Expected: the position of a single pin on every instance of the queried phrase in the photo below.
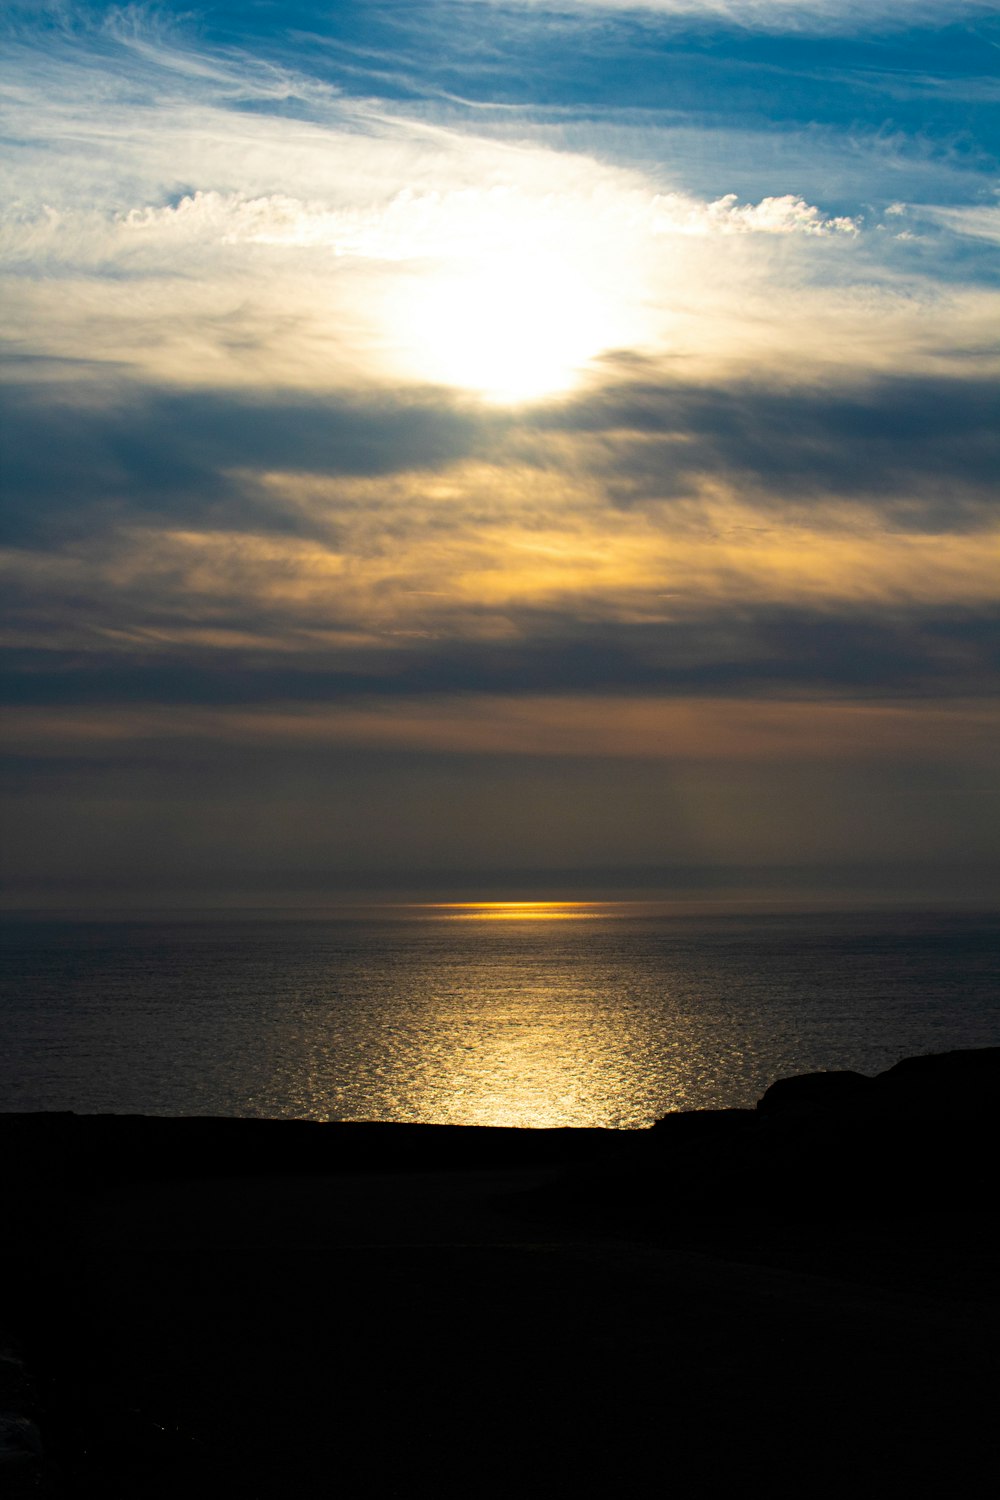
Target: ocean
(610, 1017)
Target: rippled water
(533, 1022)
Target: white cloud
(839, 16)
(679, 213)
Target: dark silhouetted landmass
(801, 1297)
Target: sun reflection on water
(528, 1060)
(520, 1013)
(520, 911)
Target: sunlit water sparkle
(528, 1022)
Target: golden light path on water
(540, 1057)
(512, 1021)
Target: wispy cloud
(837, 16)
(977, 221)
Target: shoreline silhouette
(803, 1294)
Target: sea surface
(606, 1017)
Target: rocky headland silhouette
(802, 1294)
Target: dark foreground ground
(801, 1298)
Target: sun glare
(520, 911)
(511, 295)
(509, 330)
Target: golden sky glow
(520, 911)
(467, 554)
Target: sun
(510, 330)
(514, 305)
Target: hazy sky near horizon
(467, 447)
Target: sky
(458, 450)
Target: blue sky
(476, 447)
